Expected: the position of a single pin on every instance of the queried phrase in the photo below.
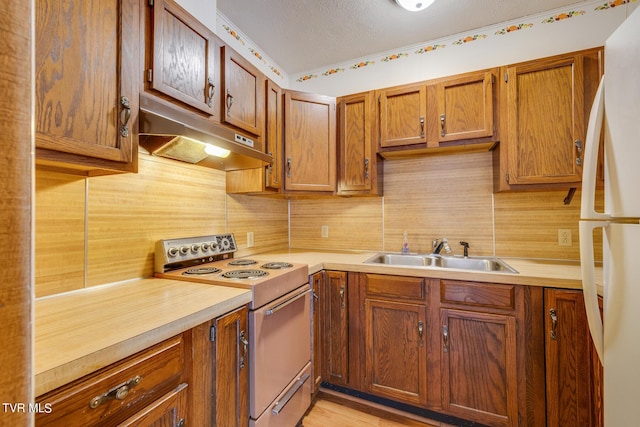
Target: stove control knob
(184, 250)
(214, 246)
(172, 252)
(205, 247)
(195, 248)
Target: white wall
(203, 10)
(589, 27)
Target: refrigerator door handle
(590, 290)
(591, 146)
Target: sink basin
(489, 264)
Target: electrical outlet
(250, 239)
(564, 237)
(324, 231)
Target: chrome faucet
(439, 246)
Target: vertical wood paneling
(354, 223)
(439, 196)
(266, 217)
(60, 232)
(127, 214)
(527, 224)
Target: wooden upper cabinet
(357, 156)
(273, 135)
(310, 142)
(242, 93)
(86, 98)
(402, 115)
(182, 58)
(546, 109)
(465, 107)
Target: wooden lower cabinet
(197, 378)
(469, 350)
(220, 371)
(317, 350)
(126, 390)
(168, 411)
(479, 366)
(396, 355)
(574, 372)
(336, 323)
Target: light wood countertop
(531, 272)
(79, 332)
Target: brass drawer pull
(119, 392)
(126, 107)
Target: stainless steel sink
(489, 264)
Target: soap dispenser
(405, 244)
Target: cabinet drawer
(116, 392)
(411, 288)
(478, 294)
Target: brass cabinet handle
(442, 131)
(119, 392)
(126, 107)
(229, 102)
(554, 323)
(341, 296)
(445, 338)
(211, 89)
(421, 127)
(420, 331)
(245, 345)
(366, 168)
(289, 167)
(578, 144)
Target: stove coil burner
(201, 271)
(277, 265)
(239, 262)
(244, 274)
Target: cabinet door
(336, 323)
(479, 371)
(318, 320)
(273, 135)
(310, 142)
(545, 121)
(168, 411)
(465, 107)
(184, 56)
(571, 369)
(86, 100)
(396, 356)
(231, 389)
(242, 93)
(357, 155)
(403, 113)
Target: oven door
(280, 346)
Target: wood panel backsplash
(93, 231)
(442, 196)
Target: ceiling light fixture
(414, 5)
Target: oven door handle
(285, 303)
(287, 397)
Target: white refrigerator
(616, 109)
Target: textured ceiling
(302, 35)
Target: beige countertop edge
(70, 337)
(531, 272)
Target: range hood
(170, 131)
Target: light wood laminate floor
(329, 411)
